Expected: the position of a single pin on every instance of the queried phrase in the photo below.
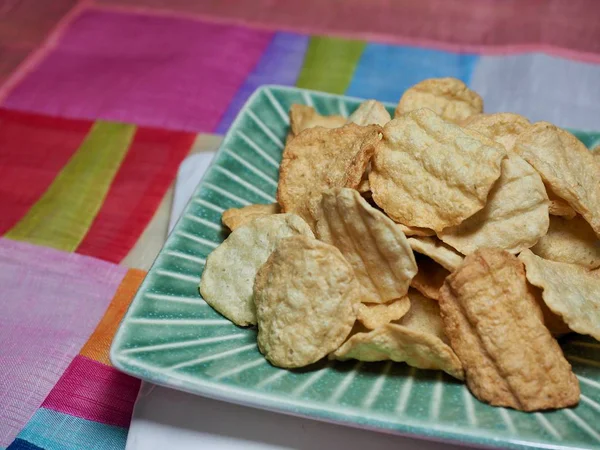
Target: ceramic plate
(171, 337)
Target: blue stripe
(280, 64)
(52, 430)
(20, 444)
(384, 71)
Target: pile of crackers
(443, 238)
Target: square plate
(171, 337)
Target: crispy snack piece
(370, 241)
(429, 278)
(596, 153)
(402, 344)
(416, 231)
(514, 218)
(566, 166)
(448, 97)
(569, 290)
(570, 241)
(306, 298)
(370, 112)
(320, 159)
(501, 127)
(438, 251)
(303, 117)
(553, 322)
(559, 207)
(375, 315)
(432, 174)
(495, 327)
(230, 269)
(424, 315)
(236, 217)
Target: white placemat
(167, 419)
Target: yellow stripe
(63, 215)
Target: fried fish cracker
(448, 97)
(416, 231)
(495, 327)
(429, 278)
(432, 174)
(303, 117)
(236, 217)
(319, 159)
(438, 251)
(565, 165)
(571, 241)
(424, 315)
(370, 112)
(569, 290)
(553, 322)
(372, 243)
(514, 218)
(230, 269)
(401, 344)
(306, 297)
(559, 207)
(375, 315)
(501, 127)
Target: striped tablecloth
(100, 101)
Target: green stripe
(329, 64)
(64, 213)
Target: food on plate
(446, 239)
(319, 159)
(370, 241)
(570, 241)
(496, 328)
(433, 174)
(375, 315)
(450, 98)
(441, 253)
(230, 269)
(569, 290)
(236, 217)
(514, 218)
(303, 117)
(370, 112)
(300, 322)
(503, 128)
(566, 166)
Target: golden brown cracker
(370, 241)
(501, 127)
(495, 327)
(375, 315)
(558, 206)
(370, 112)
(230, 269)
(514, 218)
(571, 241)
(442, 253)
(236, 217)
(306, 299)
(319, 159)
(424, 315)
(429, 278)
(303, 117)
(432, 174)
(565, 165)
(569, 290)
(448, 97)
(399, 343)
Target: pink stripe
(51, 302)
(147, 70)
(563, 28)
(34, 58)
(93, 391)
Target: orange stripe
(98, 345)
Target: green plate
(171, 337)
